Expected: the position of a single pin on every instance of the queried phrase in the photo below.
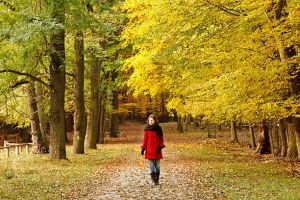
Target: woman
(153, 144)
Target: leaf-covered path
(128, 177)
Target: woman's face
(151, 121)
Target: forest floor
(194, 167)
(128, 176)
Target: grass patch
(39, 177)
(239, 173)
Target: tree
(264, 145)
(114, 127)
(234, 137)
(283, 136)
(79, 114)
(216, 59)
(252, 137)
(94, 114)
(57, 83)
(42, 116)
(39, 142)
(33, 48)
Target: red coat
(151, 143)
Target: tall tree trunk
(179, 124)
(88, 128)
(283, 136)
(42, 113)
(66, 135)
(296, 123)
(102, 122)
(93, 126)
(114, 128)
(271, 138)
(209, 131)
(165, 115)
(184, 123)
(57, 83)
(295, 91)
(101, 129)
(107, 124)
(187, 122)
(79, 115)
(263, 146)
(195, 122)
(286, 54)
(276, 147)
(175, 116)
(234, 137)
(252, 137)
(39, 145)
(292, 153)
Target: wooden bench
(16, 146)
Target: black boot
(153, 177)
(157, 177)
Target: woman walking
(153, 144)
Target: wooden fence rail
(17, 146)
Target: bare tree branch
(19, 83)
(32, 77)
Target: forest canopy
(223, 60)
(219, 61)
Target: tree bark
(187, 122)
(276, 146)
(283, 136)
(296, 123)
(292, 153)
(164, 111)
(290, 52)
(234, 137)
(263, 146)
(295, 91)
(286, 53)
(66, 134)
(88, 128)
(107, 123)
(42, 113)
(209, 131)
(271, 138)
(179, 124)
(102, 123)
(114, 128)
(57, 83)
(92, 131)
(195, 122)
(39, 144)
(79, 114)
(252, 137)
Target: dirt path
(128, 178)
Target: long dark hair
(153, 116)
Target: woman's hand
(143, 151)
